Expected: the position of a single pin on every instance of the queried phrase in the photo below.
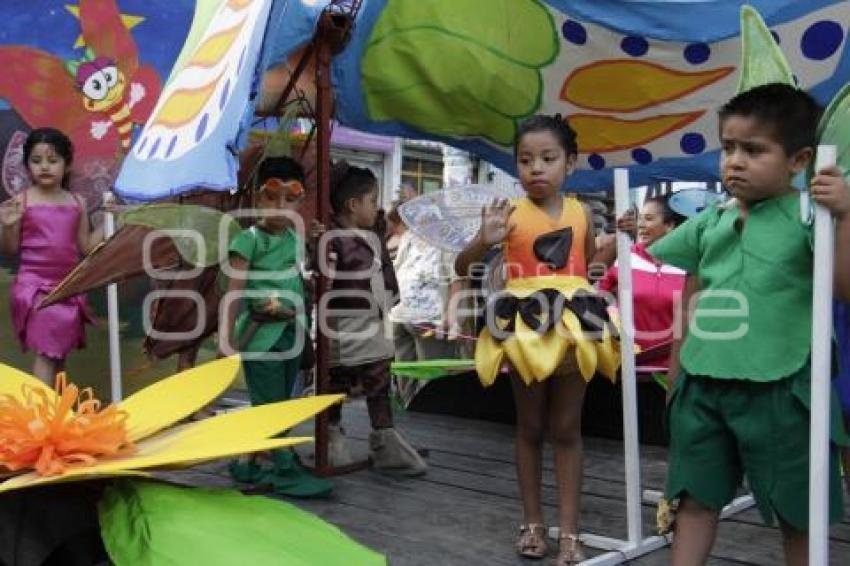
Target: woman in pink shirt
(656, 286)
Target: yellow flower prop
(147, 415)
(44, 433)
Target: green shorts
(723, 429)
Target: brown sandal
(570, 550)
(532, 541)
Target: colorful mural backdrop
(92, 68)
(640, 81)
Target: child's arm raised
(831, 190)
(10, 224)
(494, 229)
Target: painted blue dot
(154, 147)
(596, 161)
(574, 32)
(202, 127)
(224, 92)
(641, 155)
(697, 53)
(692, 143)
(634, 45)
(775, 37)
(821, 40)
(171, 145)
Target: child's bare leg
(566, 396)
(696, 527)
(45, 369)
(795, 544)
(186, 358)
(530, 423)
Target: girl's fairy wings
(762, 60)
(39, 88)
(106, 34)
(690, 202)
(834, 128)
(450, 218)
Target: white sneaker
(338, 454)
(390, 452)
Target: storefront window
(422, 170)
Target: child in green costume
(740, 383)
(267, 319)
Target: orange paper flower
(47, 435)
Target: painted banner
(93, 69)
(639, 80)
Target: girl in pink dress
(49, 227)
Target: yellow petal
(11, 381)
(542, 353)
(513, 349)
(488, 358)
(240, 426)
(585, 349)
(608, 356)
(128, 466)
(174, 398)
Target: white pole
(821, 346)
(112, 312)
(627, 369)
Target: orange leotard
(532, 222)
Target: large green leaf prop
(834, 128)
(199, 223)
(762, 61)
(459, 70)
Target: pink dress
(49, 251)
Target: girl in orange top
(548, 324)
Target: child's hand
(494, 222)
(628, 222)
(273, 308)
(10, 212)
(829, 189)
(316, 231)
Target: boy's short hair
(283, 168)
(349, 182)
(792, 113)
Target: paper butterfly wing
(834, 128)
(450, 218)
(690, 202)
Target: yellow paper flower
(150, 412)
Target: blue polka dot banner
(640, 82)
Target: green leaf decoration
(762, 61)
(834, 128)
(214, 227)
(459, 71)
(429, 370)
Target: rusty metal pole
(323, 182)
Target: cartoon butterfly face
(97, 100)
(101, 83)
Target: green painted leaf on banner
(463, 71)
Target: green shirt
(273, 261)
(760, 275)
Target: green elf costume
(742, 400)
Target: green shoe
(246, 471)
(290, 478)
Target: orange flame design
(49, 436)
